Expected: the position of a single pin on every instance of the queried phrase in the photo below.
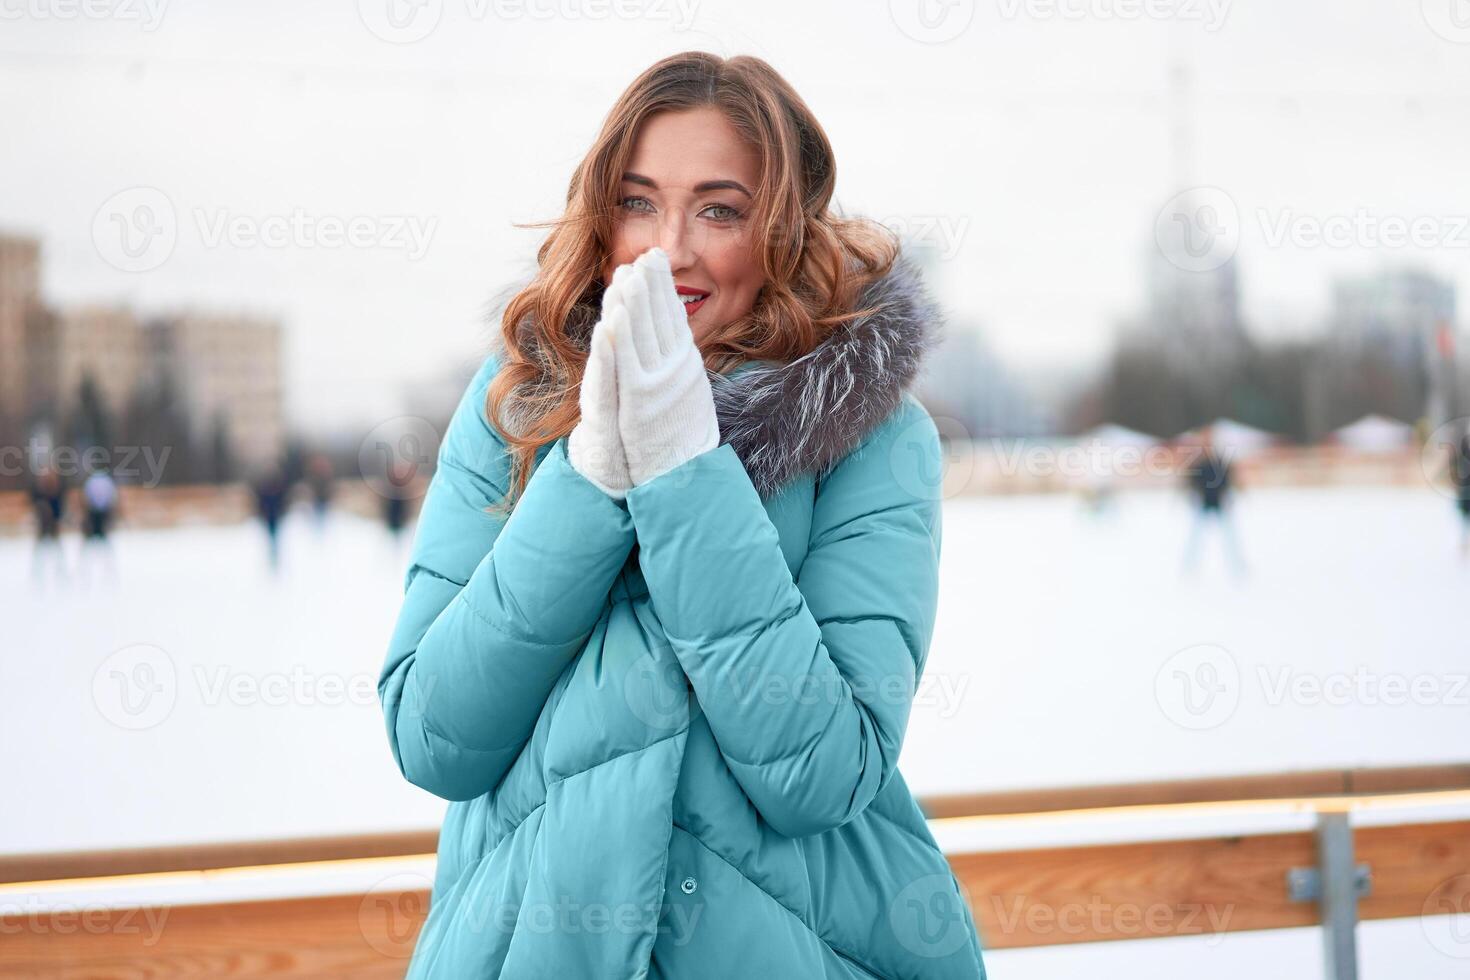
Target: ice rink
(200, 698)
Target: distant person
(48, 505)
(1099, 493)
(399, 487)
(99, 496)
(319, 477)
(270, 503)
(1460, 474)
(1208, 478)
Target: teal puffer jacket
(669, 724)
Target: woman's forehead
(680, 150)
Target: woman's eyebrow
(708, 185)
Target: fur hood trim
(785, 420)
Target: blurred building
(1180, 359)
(964, 380)
(65, 347)
(1191, 319)
(218, 374)
(1404, 320)
(225, 372)
(1394, 311)
(1194, 316)
(20, 296)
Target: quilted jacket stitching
(780, 904)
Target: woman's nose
(679, 237)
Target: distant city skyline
(1034, 150)
(84, 373)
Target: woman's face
(688, 189)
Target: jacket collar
(785, 420)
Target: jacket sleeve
(494, 608)
(806, 682)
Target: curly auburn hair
(815, 262)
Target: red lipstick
(691, 307)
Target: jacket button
(689, 885)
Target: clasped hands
(646, 401)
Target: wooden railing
(1047, 896)
(1021, 897)
(1303, 784)
(183, 504)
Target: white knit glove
(666, 410)
(594, 446)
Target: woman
(667, 693)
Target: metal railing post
(1341, 884)
(1335, 884)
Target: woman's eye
(729, 213)
(641, 205)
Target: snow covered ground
(203, 699)
(1072, 651)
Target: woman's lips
(690, 308)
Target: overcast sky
(1028, 141)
